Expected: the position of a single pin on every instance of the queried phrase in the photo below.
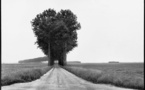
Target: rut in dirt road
(60, 79)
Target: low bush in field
(24, 75)
(117, 79)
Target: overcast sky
(112, 30)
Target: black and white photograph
(72, 44)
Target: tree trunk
(50, 61)
(62, 58)
(64, 54)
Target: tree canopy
(56, 28)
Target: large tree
(56, 33)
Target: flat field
(7, 69)
(130, 75)
(15, 73)
(135, 69)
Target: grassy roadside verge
(113, 78)
(24, 75)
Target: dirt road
(60, 79)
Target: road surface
(60, 79)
